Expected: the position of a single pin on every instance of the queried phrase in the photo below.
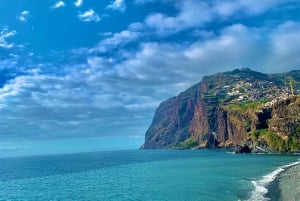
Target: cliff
(227, 110)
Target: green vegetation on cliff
(294, 140)
(275, 142)
(187, 144)
(290, 143)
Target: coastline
(274, 192)
(286, 185)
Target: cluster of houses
(254, 91)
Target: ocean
(141, 175)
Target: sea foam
(260, 186)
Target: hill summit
(231, 109)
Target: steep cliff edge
(226, 110)
(285, 116)
(172, 119)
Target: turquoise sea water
(140, 175)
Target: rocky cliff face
(285, 116)
(171, 123)
(222, 111)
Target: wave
(260, 186)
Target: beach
(289, 184)
(286, 185)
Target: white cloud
(4, 35)
(122, 37)
(157, 63)
(226, 8)
(78, 3)
(137, 26)
(251, 7)
(67, 105)
(235, 46)
(25, 12)
(97, 64)
(143, 105)
(23, 17)
(202, 33)
(13, 88)
(286, 45)
(191, 14)
(59, 4)
(256, 6)
(89, 16)
(228, 50)
(106, 34)
(117, 40)
(196, 14)
(141, 2)
(117, 5)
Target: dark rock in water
(243, 150)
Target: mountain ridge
(224, 110)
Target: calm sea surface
(140, 175)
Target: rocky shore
(289, 183)
(286, 187)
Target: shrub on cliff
(294, 140)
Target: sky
(92, 71)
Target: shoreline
(285, 185)
(274, 192)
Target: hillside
(231, 109)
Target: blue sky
(76, 69)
